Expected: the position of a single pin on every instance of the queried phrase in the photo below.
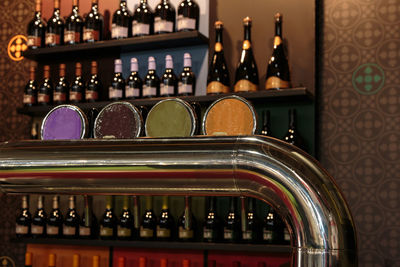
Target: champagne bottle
(218, 75)
(38, 228)
(187, 79)
(136, 217)
(188, 16)
(117, 88)
(28, 259)
(52, 260)
(266, 128)
(292, 136)
(134, 85)
(278, 74)
(88, 226)
(36, 28)
(31, 89)
(232, 223)
(96, 261)
(164, 17)
(246, 78)
(212, 228)
(187, 223)
(75, 260)
(77, 90)
(272, 228)
(165, 224)
(73, 32)
(169, 82)
(251, 228)
(94, 86)
(94, 23)
(71, 221)
(125, 222)
(45, 93)
(121, 22)
(149, 221)
(151, 85)
(24, 219)
(55, 27)
(55, 220)
(108, 227)
(143, 20)
(61, 89)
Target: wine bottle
(77, 90)
(36, 28)
(55, 220)
(88, 226)
(278, 74)
(149, 221)
(218, 75)
(136, 217)
(35, 131)
(165, 224)
(96, 261)
(188, 16)
(61, 89)
(266, 128)
(286, 234)
(142, 262)
(117, 88)
(94, 23)
(28, 259)
(55, 27)
(272, 228)
(246, 78)
(38, 228)
(187, 79)
(164, 262)
(169, 82)
(31, 89)
(121, 261)
(151, 84)
(164, 17)
(73, 32)
(71, 221)
(24, 219)
(134, 85)
(187, 223)
(121, 22)
(143, 20)
(251, 228)
(292, 136)
(75, 260)
(108, 224)
(185, 263)
(125, 222)
(45, 93)
(52, 260)
(232, 223)
(212, 228)
(94, 86)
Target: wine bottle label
(34, 41)
(274, 82)
(52, 230)
(131, 92)
(123, 231)
(245, 86)
(69, 230)
(247, 235)
(71, 37)
(52, 39)
(90, 35)
(228, 234)
(246, 44)
(184, 88)
(207, 233)
(37, 229)
(106, 231)
(286, 235)
(149, 91)
(84, 231)
(166, 89)
(29, 99)
(163, 232)
(75, 96)
(91, 95)
(185, 233)
(185, 23)
(161, 25)
(215, 87)
(58, 96)
(21, 229)
(146, 232)
(114, 93)
(118, 31)
(267, 235)
(43, 98)
(140, 28)
(218, 47)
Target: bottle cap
(46, 68)
(52, 260)
(247, 21)
(169, 64)
(75, 260)
(28, 259)
(152, 63)
(218, 24)
(134, 64)
(62, 66)
(93, 67)
(278, 17)
(118, 65)
(187, 60)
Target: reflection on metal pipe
(320, 223)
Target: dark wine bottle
(187, 79)
(149, 221)
(24, 219)
(151, 84)
(169, 82)
(164, 17)
(246, 78)
(71, 221)
(251, 228)
(232, 223)
(28, 259)
(188, 16)
(187, 222)
(55, 220)
(94, 86)
(136, 217)
(121, 22)
(94, 23)
(36, 28)
(117, 88)
(31, 89)
(272, 228)
(38, 228)
(166, 223)
(88, 226)
(212, 228)
(278, 74)
(292, 136)
(143, 20)
(61, 89)
(218, 75)
(125, 222)
(77, 89)
(134, 85)
(45, 93)
(55, 27)
(266, 128)
(73, 32)
(108, 223)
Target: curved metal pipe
(320, 223)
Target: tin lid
(64, 122)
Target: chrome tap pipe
(319, 221)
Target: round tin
(230, 115)
(120, 120)
(64, 122)
(171, 117)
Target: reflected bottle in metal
(38, 228)
(187, 222)
(71, 221)
(24, 219)
(149, 221)
(165, 223)
(108, 222)
(125, 222)
(212, 228)
(232, 224)
(55, 220)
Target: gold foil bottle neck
(278, 17)
(218, 24)
(247, 21)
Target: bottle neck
(78, 71)
(188, 222)
(278, 28)
(108, 202)
(232, 204)
(55, 203)
(134, 67)
(95, 6)
(118, 68)
(57, 5)
(165, 203)
(38, 6)
(149, 202)
(187, 62)
(211, 207)
(292, 118)
(125, 205)
(251, 204)
(152, 65)
(71, 202)
(75, 9)
(25, 202)
(93, 69)
(218, 35)
(32, 74)
(169, 64)
(247, 32)
(143, 2)
(123, 4)
(62, 72)
(40, 202)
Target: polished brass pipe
(320, 223)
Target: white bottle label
(246, 235)
(69, 230)
(140, 28)
(52, 230)
(185, 23)
(166, 89)
(267, 235)
(131, 92)
(161, 25)
(21, 229)
(207, 233)
(114, 93)
(184, 88)
(84, 231)
(228, 234)
(37, 229)
(118, 31)
(149, 91)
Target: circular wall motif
(388, 54)
(329, 165)
(369, 258)
(6, 31)
(368, 79)
(16, 46)
(329, 81)
(329, 126)
(389, 194)
(20, 12)
(388, 100)
(330, 38)
(368, 170)
(369, 218)
(368, 33)
(389, 11)
(389, 146)
(345, 14)
(350, 191)
(344, 148)
(345, 58)
(6, 262)
(368, 124)
(15, 82)
(344, 103)
(389, 243)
